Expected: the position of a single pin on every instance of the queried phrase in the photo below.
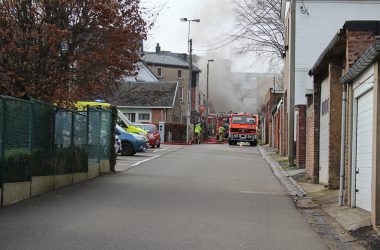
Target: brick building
(324, 105)
(174, 67)
(271, 101)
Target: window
(325, 107)
(131, 116)
(181, 94)
(144, 117)
(179, 74)
(159, 72)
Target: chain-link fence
(94, 142)
(38, 139)
(80, 142)
(16, 140)
(105, 134)
(43, 139)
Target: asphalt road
(188, 197)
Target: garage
(324, 132)
(363, 154)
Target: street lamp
(184, 19)
(208, 67)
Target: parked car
(153, 134)
(117, 145)
(130, 142)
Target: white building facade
(316, 23)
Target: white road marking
(139, 162)
(158, 150)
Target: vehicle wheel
(230, 142)
(127, 149)
(251, 144)
(235, 143)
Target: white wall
(316, 30)
(137, 111)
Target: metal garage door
(324, 133)
(364, 150)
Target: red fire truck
(243, 128)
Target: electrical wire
(234, 38)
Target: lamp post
(208, 68)
(190, 48)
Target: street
(176, 197)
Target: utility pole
(292, 85)
(208, 68)
(189, 93)
(190, 87)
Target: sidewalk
(349, 225)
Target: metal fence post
(2, 147)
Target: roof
(366, 60)
(166, 58)
(338, 43)
(143, 75)
(145, 94)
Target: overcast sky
(217, 22)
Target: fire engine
(243, 128)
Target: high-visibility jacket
(221, 130)
(198, 128)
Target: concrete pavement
(197, 197)
(317, 203)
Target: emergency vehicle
(243, 128)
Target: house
(143, 74)
(148, 102)
(174, 67)
(324, 105)
(316, 22)
(362, 132)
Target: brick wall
(335, 113)
(301, 136)
(284, 127)
(357, 43)
(157, 116)
(312, 134)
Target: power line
(222, 41)
(237, 36)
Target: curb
(293, 188)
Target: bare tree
(261, 30)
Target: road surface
(181, 197)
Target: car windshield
(243, 119)
(138, 125)
(150, 128)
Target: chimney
(158, 48)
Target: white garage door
(364, 150)
(324, 133)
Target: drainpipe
(342, 145)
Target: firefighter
(198, 131)
(221, 133)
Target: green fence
(94, 142)
(38, 139)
